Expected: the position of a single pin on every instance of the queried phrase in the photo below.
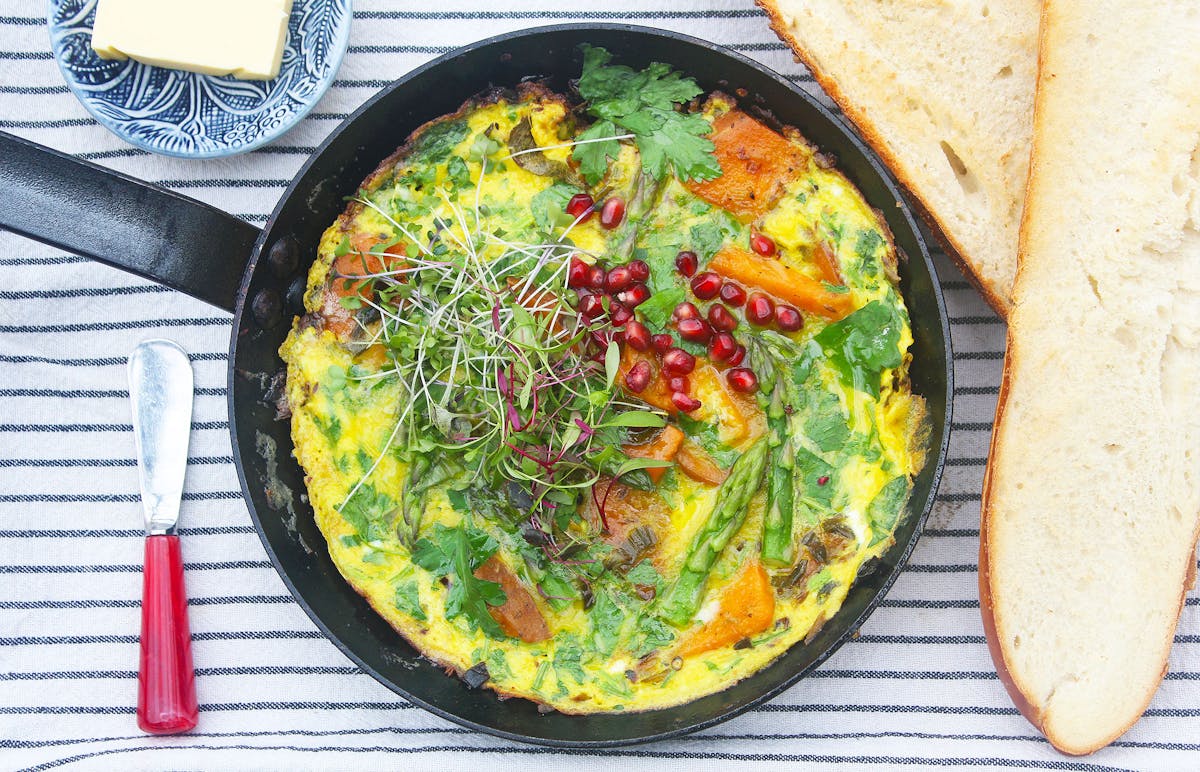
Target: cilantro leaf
(457, 552)
(370, 512)
(568, 658)
(651, 634)
(408, 599)
(643, 104)
(596, 146)
(607, 619)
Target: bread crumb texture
(1092, 506)
(943, 89)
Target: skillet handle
(88, 210)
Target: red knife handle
(166, 681)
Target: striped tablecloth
(916, 689)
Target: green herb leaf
(643, 104)
(652, 634)
(549, 207)
(607, 618)
(656, 311)
(885, 509)
(612, 362)
(408, 599)
(568, 657)
(862, 345)
(370, 512)
(436, 142)
(640, 419)
(457, 552)
(595, 146)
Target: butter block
(243, 38)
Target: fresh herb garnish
(642, 103)
(456, 553)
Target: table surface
(916, 688)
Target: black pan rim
(919, 518)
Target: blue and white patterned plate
(188, 115)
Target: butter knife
(160, 388)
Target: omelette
(602, 398)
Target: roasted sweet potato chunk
(746, 608)
(776, 278)
(756, 166)
(519, 616)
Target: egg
(492, 183)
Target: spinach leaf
(885, 509)
(825, 423)
(862, 345)
(810, 470)
(439, 139)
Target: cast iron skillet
(206, 253)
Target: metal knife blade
(160, 388)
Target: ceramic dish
(188, 115)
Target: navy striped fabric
(917, 689)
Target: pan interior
(275, 484)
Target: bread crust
(858, 116)
(993, 626)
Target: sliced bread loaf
(943, 90)
(1091, 505)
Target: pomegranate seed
(686, 263)
(762, 244)
(706, 285)
(635, 295)
(695, 330)
(596, 277)
(759, 310)
(684, 402)
(823, 479)
(678, 383)
(720, 318)
(722, 347)
(612, 213)
(678, 362)
(580, 204)
(637, 336)
(617, 279)
(577, 273)
(788, 319)
(591, 306)
(733, 294)
(742, 379)
(639, 269)
(685, 310)
(638, 377)
(619, 314)
(662, 342)
(738, 356)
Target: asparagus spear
(777, 520)
(681, 602)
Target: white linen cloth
(917, 689)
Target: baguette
(1091, 502)
(943, 91)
